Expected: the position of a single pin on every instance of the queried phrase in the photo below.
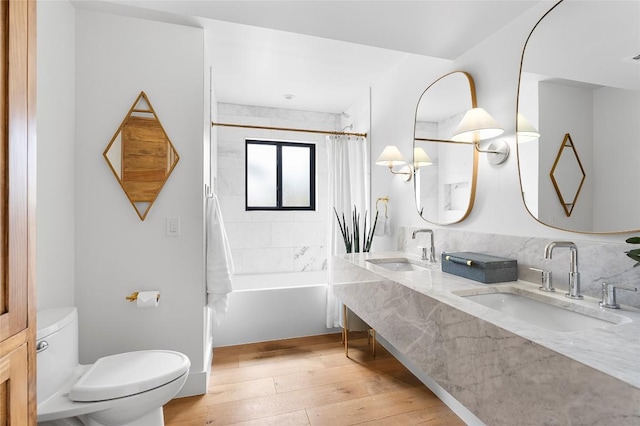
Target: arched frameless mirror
(141, 156)
(580, 76)
(445, 171)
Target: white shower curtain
(348, 187)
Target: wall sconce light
(421, 158)
(525, 131)
(477, 125)
(390, 157)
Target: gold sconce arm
(407, 171)
(390, 157)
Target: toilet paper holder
(134, 296)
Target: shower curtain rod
(290, 129)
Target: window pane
(261, 175)
(295, 176)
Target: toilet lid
(51, 320)
(129, 373)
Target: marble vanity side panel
(344, 271)
(598, 261)
(502, 378)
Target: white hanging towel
(387, 226)
(382, 220)
(219, 261)
(383, 227)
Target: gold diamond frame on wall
(567, 198)
(141, 155)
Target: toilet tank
(57, 345)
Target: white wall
(116, 253)
(56, 157)
(528, 149)
(494, 65)
(565, 109)
(616, 152)
(356, 117)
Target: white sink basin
(401, 264)
(546, 312)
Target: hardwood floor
(309, 381)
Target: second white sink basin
(546, 314)
(400, 264)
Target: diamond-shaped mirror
(567, 175)
(141, 156)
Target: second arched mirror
(445, 171)
(580, 87)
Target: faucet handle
(609, 295)
(545, 278)
(424, 251)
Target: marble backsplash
(598, 262)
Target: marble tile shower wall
(598, 261)
(278, 241)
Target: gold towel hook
(385, 200)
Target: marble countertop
(612, 349)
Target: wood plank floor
(309, 381)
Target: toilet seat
(126, 374)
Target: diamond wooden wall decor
(141, 156)
(567, 175)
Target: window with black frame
(280, 175)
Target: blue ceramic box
(480, 267)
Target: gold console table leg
(371, 334)
(372, 338)
(345, 330)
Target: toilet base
(72, 421)
(154, 418)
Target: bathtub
(274, 306)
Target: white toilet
(127, 389)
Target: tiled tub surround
(271, 241)
(504, 370)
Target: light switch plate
(173, 227)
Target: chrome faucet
(574, 275)
(432, 251)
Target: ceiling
(325, 53)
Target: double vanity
(510, 353)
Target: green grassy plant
(351, 236)
(635, 253)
